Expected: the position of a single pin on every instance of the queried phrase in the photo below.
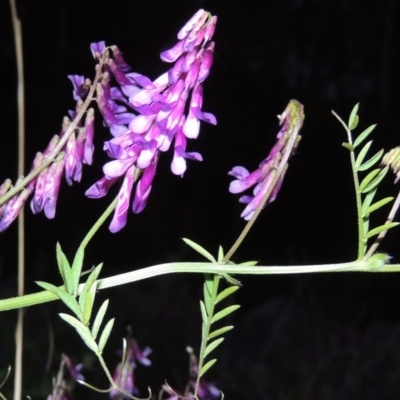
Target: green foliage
(201, 250)
(353, 119)
(209, 317)
(83, 307)
(65, 269)
(366, 190)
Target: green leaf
(378, 260)
(77, 268)
(65, 269)
(355, 122)
(231, 280)
(220, 254)
(225, 293)
(82, 330)
(206, 367)
(105, 334)
(372, 185)
(220, 331)
(362, 154)
(378, 205)
(88, 285)
(99, 318)
(200, 250)
(64, 296)
(209, 283)
(207, 298)
(223, 313)
(348, 146)
(210, 347)
(87, 309)
(249, 263)
(203, 312)
(363, 135)
(381, 228)
(373, 160)
(368, 200)
(365, 182)
(353, 119)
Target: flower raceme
(67, 160)
(265, 177)
(146, 116)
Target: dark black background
(309, 337)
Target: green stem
(206, 331)
(98, 223)
(203, 268)
(360, 220)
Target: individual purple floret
(11, 209)
(146, 117)
(262, 178)
(81, 86)
(59, 386)
(124, 373)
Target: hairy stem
(204, 268)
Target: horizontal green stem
(202, 268)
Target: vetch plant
(147, 118)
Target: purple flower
(81, 86)
(74, 370)
(98, 49)
(264, 177)
(146, 117)
(12, 208)
(69, 159)
(124, 373)
(59, 387)
(205, 391)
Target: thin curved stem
(98, 223)
(203, 268)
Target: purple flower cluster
(124, 373)
(146, 117)
(45, 187)
(60, 391)
(291, 121)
